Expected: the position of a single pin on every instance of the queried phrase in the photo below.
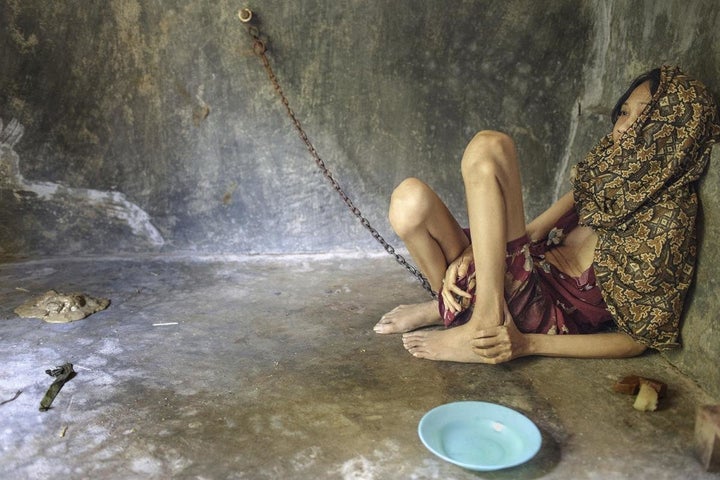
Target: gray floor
(273, 371)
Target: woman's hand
(502, 343)
(456, 270)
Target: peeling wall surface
(136, 126)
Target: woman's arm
(506, 342)
(540, 227)
(594, 345)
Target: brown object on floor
(648, 390)
(54, 307)
(630, 385)
(707, 437)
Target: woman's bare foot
(405, 318)
(451, 345)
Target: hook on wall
(245, 15)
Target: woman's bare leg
(495, 210)
(433, 238)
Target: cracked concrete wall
(162, 109)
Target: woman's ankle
(484, 317)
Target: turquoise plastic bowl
(479, 436)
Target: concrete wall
(136, 126)
(165, 103)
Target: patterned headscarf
(639, 195)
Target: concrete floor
(273, 372)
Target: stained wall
(165, 104)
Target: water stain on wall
(92, 205)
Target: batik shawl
(639, 195)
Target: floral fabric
(540, 297)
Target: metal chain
(260, 50)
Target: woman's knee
(488, 154)
(409, 204)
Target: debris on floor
(54, 307)
(14, 397)
(649, 394)
(707, 437)
(62, 374)
(649, 391)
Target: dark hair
(652, 75)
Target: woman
(612, 258)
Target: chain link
(261, 51)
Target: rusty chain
(260, 49)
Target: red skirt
(540, 297)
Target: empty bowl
(479, 436)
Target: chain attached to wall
(260, 49)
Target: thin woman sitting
(612, 258)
